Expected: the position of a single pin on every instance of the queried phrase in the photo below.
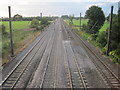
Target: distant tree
(44, 21)
(96, 19)
(35, 23)
(17, 17)
(65, 16)
(71, 17)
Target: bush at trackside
(35, 23)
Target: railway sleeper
(7, 85)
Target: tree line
(18, 17)
(96, 21)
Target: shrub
(84, 27)
(44, 21)
(102, 38)
(35, 23)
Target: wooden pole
(80, 20)
(10, 25)
(41, 16)
(109, 32)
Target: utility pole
(109, 32)
(41, 20)
(10, 25)
(41, 16)
(80, 20)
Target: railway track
(52, 48)
(14, 76)
(108, 75)
(50, 76)
(47, 61)
(75, 73)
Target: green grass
(84, 21)
(16, 25)
(19, 36)
(104, 27)
(77, 22)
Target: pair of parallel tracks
(110, 78)
(76, 77)
(14, 76)
(48, 61)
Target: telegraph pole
(41, 20)
(10, 25)
(80, 20)
(41, 16)
(109, 32)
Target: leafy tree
(115, 33)
(71, 17)
(96, 19)
(17, 17)
(44, 21)
(115, 38)
(65, 16)
(35, 23)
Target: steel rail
(78, 69)
(27, 65)
(113, 74)
(19, 63)
(46, 65)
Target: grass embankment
(21, 38)
(89, 37)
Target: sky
(54, 7)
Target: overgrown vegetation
(115, 38)
(23, 34)
(101, 34)
(20, 34)
(97, 35)
(39, 25)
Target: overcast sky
(54, 7)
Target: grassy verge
(21, 37)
